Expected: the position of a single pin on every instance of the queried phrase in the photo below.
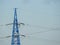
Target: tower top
(15, 31)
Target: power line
(28, 35)
(35, 26)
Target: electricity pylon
(15, 32)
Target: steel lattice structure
(15, 32)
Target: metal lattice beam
(15, 32)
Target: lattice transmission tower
(15, 32)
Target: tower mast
(15, 32)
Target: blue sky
(42, 15)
